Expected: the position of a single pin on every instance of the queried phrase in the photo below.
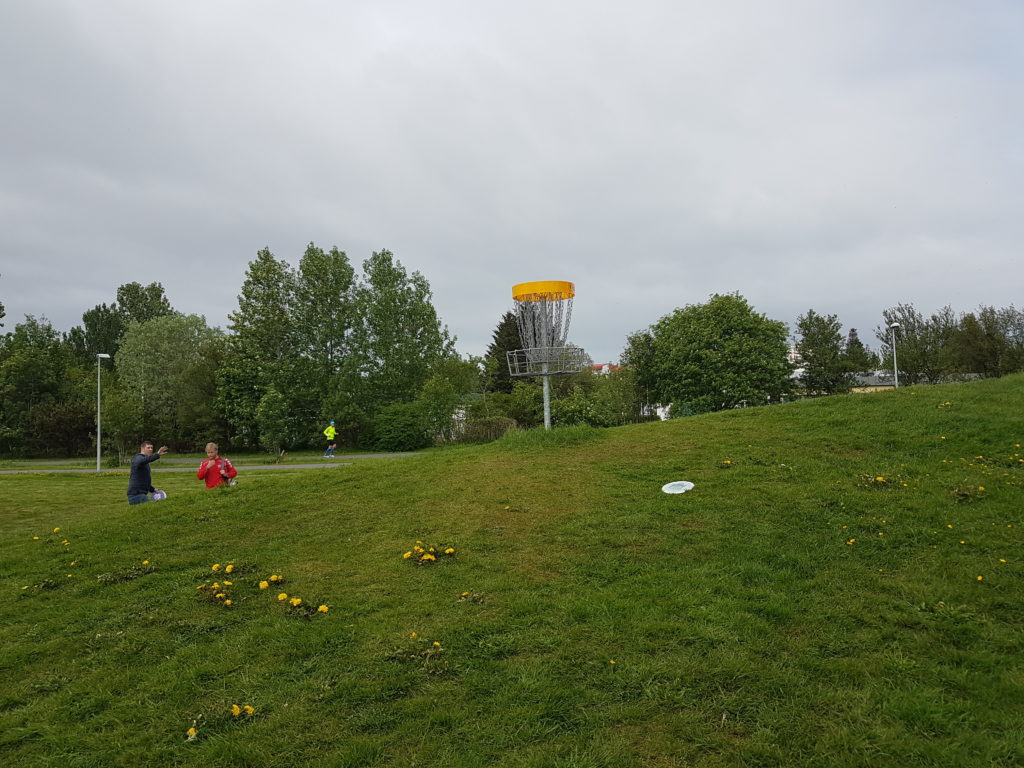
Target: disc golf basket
(543, 313)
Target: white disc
(679, 486)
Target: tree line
(322, 341)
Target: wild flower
(248, 710)
(229, 568)
(215, 567)
(283, 596)
(427, 554)
(227, 602)
(235, 710)
(322, 609)
(56, 530)
(264, 584)
(296, 601)
(145, 562)
(191, 734)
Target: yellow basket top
(541, 290)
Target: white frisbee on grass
(679, 486)
(159, 495)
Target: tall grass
(791, 610)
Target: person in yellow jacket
(329, 433)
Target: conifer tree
(505, 339)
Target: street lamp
(99, 356)
(892, 343)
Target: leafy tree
(921, 344)
(157, 362)
(138, 303)
(505, 339)
(261, 346)
(273, 419)
(860, 358)
(706, 357)
(826, 370)
(445, 394)
(324, 308)
(984, 342)
(398, 338)
(34, 379)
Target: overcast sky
(841, 156)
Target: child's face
(211, 452)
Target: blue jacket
(140, 480)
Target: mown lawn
(843, 587)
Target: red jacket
(211, 470)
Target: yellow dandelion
(296, 601)
(229, 583)
(450, 551)
(235, 710)
(850, 542)
(437, 644)
(879, 479)
(229, 569)
(948, 525)
(56, 530)
(275, 577)
(201, 586)
(427, 557)
(464, 594)
(227, 602)
(66, 543)
(248, 710)
(283, 596)
(215, 567)
(418, 541)
(70, 576)
(191, 733)
(981, 487)
(145, 562)
(73, 562)
(962, 541)
(215, 585)
(1001, 560)
(612, 661)
(981, 578)
(508, 507)
(417, 549)
(407, 555)
(727, 462)
(322, 609)
(264, 584)
(35, 538)
(220, 595)
(413, 635)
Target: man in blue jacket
(140, 481)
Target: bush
(401, 427)
(486, 430)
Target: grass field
(843, 587)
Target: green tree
(860, 358)
(273, 419)
(505, 339)
(34, 380)
(261, 346)
(706, 357)
(398, 338)
(825, 369)
(922, 352)
(157, 363)
(324, 308)
(138, 303)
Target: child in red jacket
(216, 469)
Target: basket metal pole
(547, 396)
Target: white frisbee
(679, 486)
(159, 495)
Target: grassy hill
(843, 587)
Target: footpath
(42, 467)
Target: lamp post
(892, 343)
(99, 356)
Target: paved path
(193, 465)
(125, 470)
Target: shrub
(401, 427)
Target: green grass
(745, 630)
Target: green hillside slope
(842, 587)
